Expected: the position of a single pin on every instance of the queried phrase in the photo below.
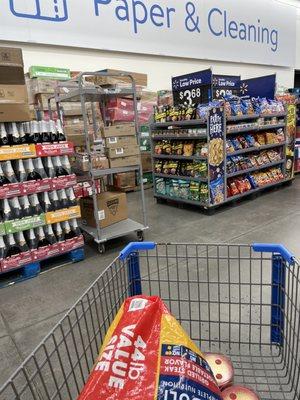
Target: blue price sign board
(216, 161)
(264, 86)
(225, 85)
(192, 88)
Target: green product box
(24, 224)
(145, 142)
(60, 74)
(2, 229)
(145, 130)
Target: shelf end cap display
(274, 248)
(134, 247)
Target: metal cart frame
(239, 300)
(100, 95)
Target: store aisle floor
(30, 309)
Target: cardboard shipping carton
(125, 180)
(98, 162)
(15, 112)
(140, 79)
(119, 130)
(12, 75)
(120, 141)
(124, 161)
(11, 57)
(124, 151)
(146, 162)
(112, 208)
(13, 94)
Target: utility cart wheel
(101, 248)
(140, 236)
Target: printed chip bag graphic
(146, 355)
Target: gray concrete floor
(30, 309)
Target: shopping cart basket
(235, 299)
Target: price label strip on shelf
(11, 190)
(24, 224)
(17, 152)
(55, 149)
(63, 182)
(16, 261)
(63, 215)
(71, 244)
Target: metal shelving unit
(160, 136)
(100, 95)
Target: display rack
(228, 127)
(101, 95)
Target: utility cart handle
(275, 248)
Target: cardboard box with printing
(98, 162)
(112, 208)
(140, 79)
(120, 141)
(125, 181)
(11, 57)
(125, 151)
(11, 66)
(146, 162)
(119, 130)
(124, 161)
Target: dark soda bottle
(34, 134)
(6, 211)
(31, 239)
(58, 232)
(45, 132)
(63, 199)
(61, 135)
(9, 172)
(39, 168)
(74, 227)
(3, 179)
(26, 206)
(21, 242)
(14, 136)
(49, 168)
(66, 164)
(54, 200)
(4, 140)
(22, 134)
(35, 204)
(16, 208)
(31, 173)
(41, 238)
(13, 248)
(46, 203)
(67, 232)
(59, 170)
(50, 234)
(3, 249)
(71, 197)
(53, 132)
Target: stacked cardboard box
(121, 145)
(13, 93)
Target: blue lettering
(98, 2)
(156, 14)
(137, 6)
(242, 31)
(169, 11)
(121, 9)
(274, 40)
(210, 15)
(233, 28)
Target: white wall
(159, 69)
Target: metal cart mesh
(239, 300)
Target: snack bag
(146, 355)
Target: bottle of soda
(35, 204)
(39, 168)
(45, 131)
(9, 172)
(3, 249)
(20, 171)
(50, 234)
(59, 170)
(4, 139)
(74, 227)
(21, 242)
(67, 232)
(45, 202)
(13, 249)
(54, 200)
(34, 134)
(61, 135)
(23, 138)
(3, 179)
(42, 240)
(49, 168)
(53, 131)
(31, 239)
(31, 173)
(27, 131)
(58, 232)
(65, 162)
(6, 211)
(63, 199)
(15, 208)
(26, 206)
(14, 136)
(71, 197)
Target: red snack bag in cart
(147, 355)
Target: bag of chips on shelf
(229, 146)
(138, 355)
(184, 189)
(204, 193)
(194, 191)
(246, 106)
(160, 186)
(251, 141)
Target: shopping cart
(239, 300)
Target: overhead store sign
(257, 31)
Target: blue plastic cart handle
(274, 248)
(134, 247)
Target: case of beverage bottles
(36, 183)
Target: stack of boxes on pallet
(39, 211)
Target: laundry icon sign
(48, 10)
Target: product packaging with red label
(147, 355)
